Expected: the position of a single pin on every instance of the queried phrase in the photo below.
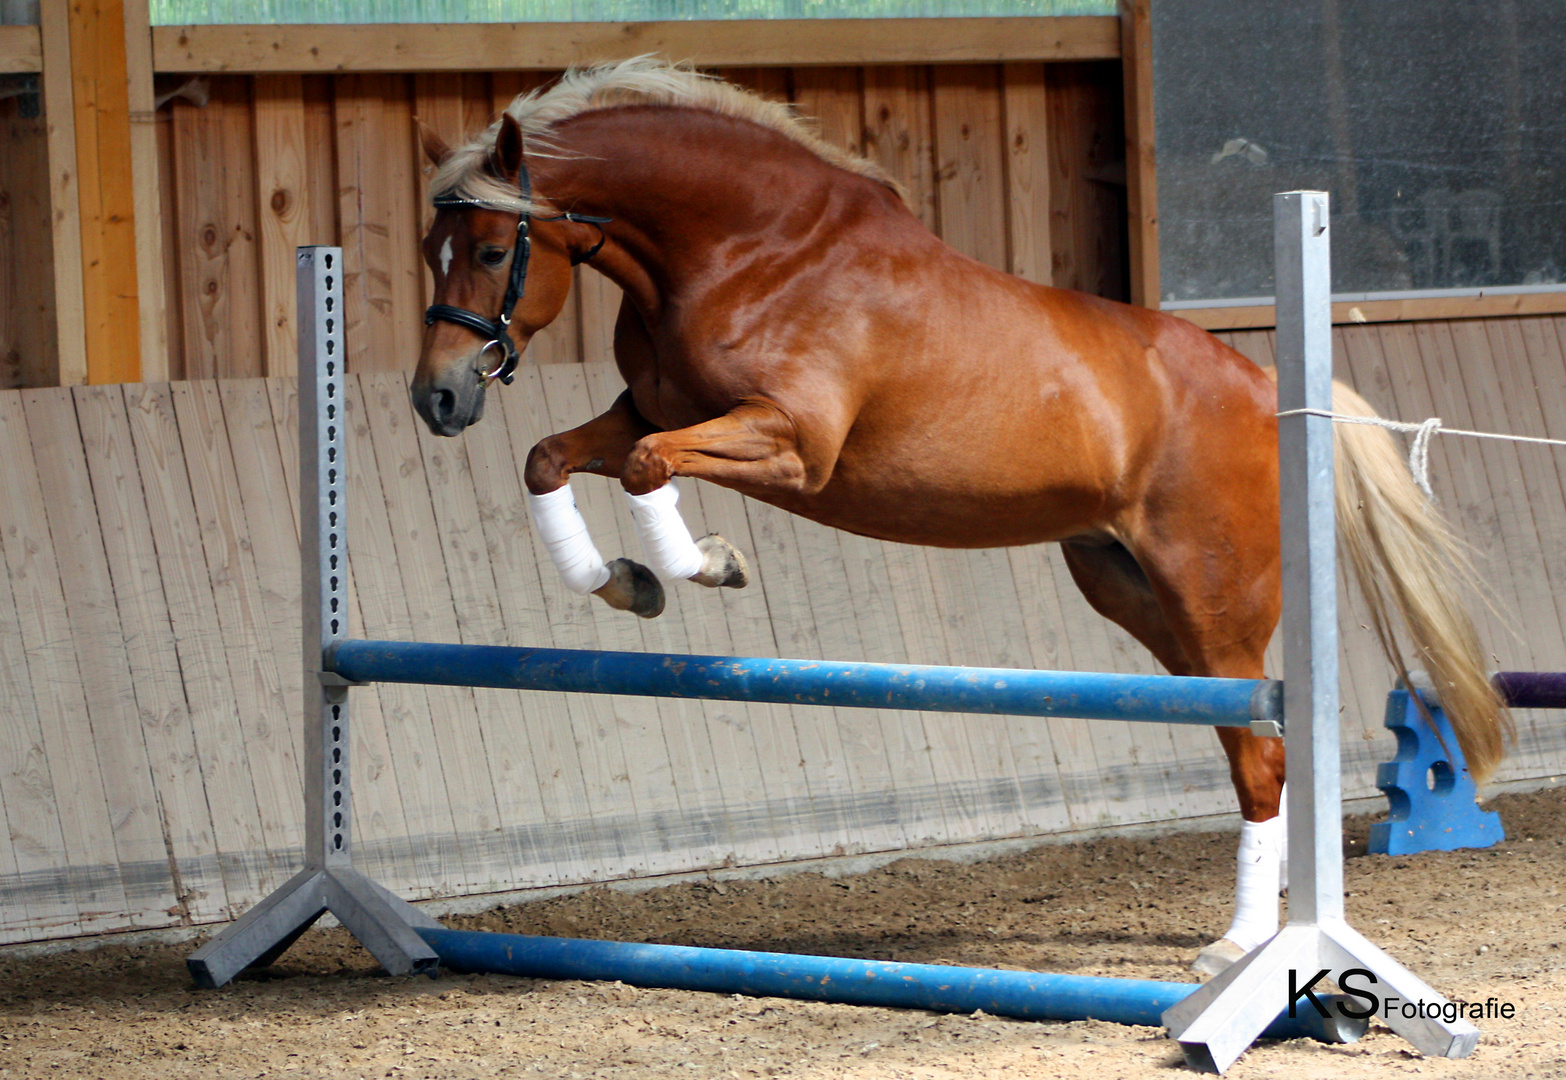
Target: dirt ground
(1474, 924)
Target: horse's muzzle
(451, 402)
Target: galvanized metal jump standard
(1214, 1023)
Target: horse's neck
(680, 182)
(640, 155)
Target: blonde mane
(641, 81)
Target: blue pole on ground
(1022, 995)
(1532, 689)
(1087, 695)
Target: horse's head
(485, 258)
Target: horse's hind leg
(1216, 624)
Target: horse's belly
(955, 516)
(972, 477)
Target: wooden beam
(28, 356)
(379, 221)
(64, 196)
(1136, 61)
(152, 299)
(552, 46)
(1380, 311)
(970, 170)
(284, 197)
(1026, 102)
(214, 167)
(100, 84)
(1083, 109)
(899, 133)
(21, 50)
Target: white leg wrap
(560, 526)
(1283, 840)
(670, 550)
(1256, 885)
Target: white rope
(1419, 450)
(1419, 454)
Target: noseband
(498, 331)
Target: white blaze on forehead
(445, 257)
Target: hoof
(722, 566)
(632, 587)
(1215, 958)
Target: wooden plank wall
(28, 352)
(1020, 165)
(149, 676)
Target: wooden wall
(1020, 165)
(1506, 499)
(149, 668)
(28, 356)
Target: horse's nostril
(443, 403)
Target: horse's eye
(493, 257)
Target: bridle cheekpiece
(498, 331)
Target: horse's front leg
(753, 447)
(600, 446)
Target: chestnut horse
(790, 330)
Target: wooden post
(100, 87)
(1136, 62)
(402, 48)
(1026, 103)
(64, 200)
(283, 191)
(152, 298)
(20, 50)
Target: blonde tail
(1406, 559)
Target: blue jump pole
(1090, 696)
(1532, 689)
(1022, 995)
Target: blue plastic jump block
(1429, 789)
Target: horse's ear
(435, 147)
(508, 148)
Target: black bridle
(498, 331)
